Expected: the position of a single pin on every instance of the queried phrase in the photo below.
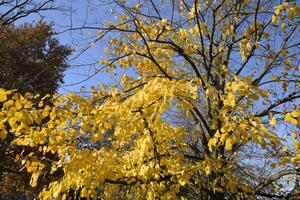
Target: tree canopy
(211, 113)
(31, 60)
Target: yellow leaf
(211, 143)
(18, 105)
(295, 113)
(273, 121)
(41, 103)
(34, 179)
(183, 180)
(230, 99)
(27, 104)
(296, 159)
(288, 117)
(228, 144)
(284, 52)
(217, 134)
(294, 135)
(84, 192)
(47, 108)
(274, 19)
(12, 121)
(285, 148)
(3, 96)
(223, 137)
(207, 170)
(3, 133)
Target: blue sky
(85, 64)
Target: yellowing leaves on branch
(204, 117)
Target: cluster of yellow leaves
(3, 95)
(296, 158)
(139, 136)
(286, 9)
(34, 167)
(137, 129)
(247, 44)
(293, 117)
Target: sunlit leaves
(273, 121)
(292, 117)
(124, 136)
(228, 144)
(3, 95)
(71, 116)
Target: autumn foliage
(227, 70)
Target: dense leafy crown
(231, 71)
(31, 59)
